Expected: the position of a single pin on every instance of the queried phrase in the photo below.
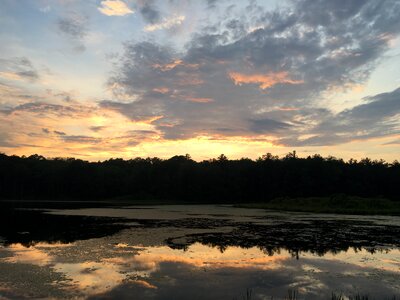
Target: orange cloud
(10, 76)
(284, 108)
(114, 8)
(161, 90)
(265, 81)
(151, 120)
(170, 66)
(199, 99)
(173, 64)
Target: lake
(194, 252)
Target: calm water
(195, 252)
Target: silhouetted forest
(182, 179)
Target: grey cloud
(149, 11)
(190, 93)
(64, 96)
(40, 107)
(394, 142)
(20, 66)
(137, 111)
(378, 107)
(329, 11)
(267, 125)
(24, 96)
(48, 108)
(82, 139)
(371, 119)
(34, 134)
(74, 27)
(212, 4)
(318, 140)
(376, 118)
(380, 16)
(59, 132)
(129, 139)
(97, 128)
(5, 141)
(141, 133)
(47, 132)
(28, 74)
(135, 137)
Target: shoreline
(339, 204)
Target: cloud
(235, 78)
(378, 117)
(149, 12)
(394, 142)
(97, 128)
(45, 9)
(65, 96)
(174, 64)
(267, 125)
(264, 81)
(48, 132)
(59, 132)
(18, 68)
(166, 23)
(114, 8)
(44, 108)
(199, 99)
(130, 138)
(74, 27)
(80, 139)
(212, 4)
(5, 141)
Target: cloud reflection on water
(157, 271)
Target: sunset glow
(264, 81)
(125, 78)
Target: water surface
(195, 252)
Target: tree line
(180, 178)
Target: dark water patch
(32, 226)
(37, 204)
(318, 237)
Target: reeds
(294, 295)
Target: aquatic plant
(337, 297)
(291, 295)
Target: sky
(98, 79)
